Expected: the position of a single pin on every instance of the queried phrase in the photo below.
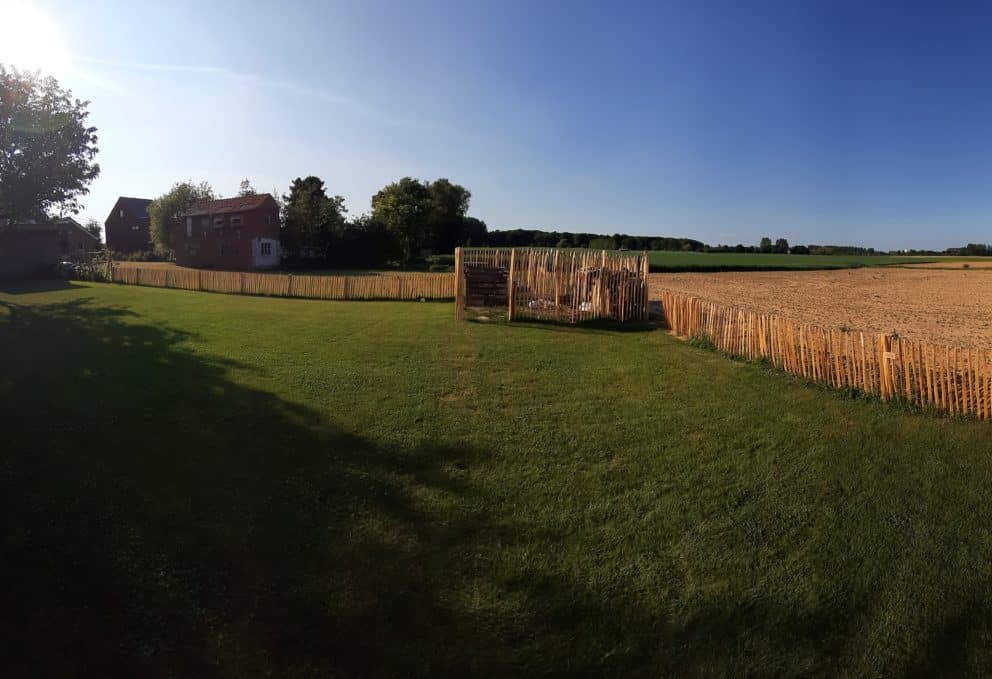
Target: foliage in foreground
(47, 149)
(209, 484)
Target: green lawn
(743, 261)
(198, 484)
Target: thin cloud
(259, 81)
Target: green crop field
(743, 261)
(198, 484)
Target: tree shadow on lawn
(162, 519)
(24, 286)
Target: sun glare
(30, 40)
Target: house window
(122, 214)
(218, 222)
(189, 227)
(235, 220)
(205, 222)
(268, 219)
(135, 227)
(265, 249)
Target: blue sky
(819, 122)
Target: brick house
(35, 247)
(126, 227)
(233, 233)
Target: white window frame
(189, 227)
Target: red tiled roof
(228, 205)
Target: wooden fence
(948, 379)
(411, 286)
(558, 284)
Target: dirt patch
(949, 306)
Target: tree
(94, 228)
(168, 210)
(311, 218)
(246, 189)
(404, 209)
(448, 205)
(474, 231)
(782, 246)
(46, 147)
(765, 245)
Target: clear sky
(820, 122)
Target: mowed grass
(744, 261)
(198, 484)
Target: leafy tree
(246, 189)
(765, 245)
(404, 208)
(168, 210)
(781, 246)
(46, 147)
(448, 205)
(94, 228)
(799, 250)
(474, 231)
(311, 218)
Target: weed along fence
(412, 286)
(553, 284)
(948, 379)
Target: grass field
(199, 484)
(747, 261)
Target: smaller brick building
(34, 248)
(233, 233)
(126, 227)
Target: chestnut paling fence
(949, 379)
(408, 286)
(568, 285)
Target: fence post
(646, 266)
(509, 284)
(459, 285)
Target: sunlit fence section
(953, 380)
(555, 284)
(370, 286)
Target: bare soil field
(983, 264)
(948, 306)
